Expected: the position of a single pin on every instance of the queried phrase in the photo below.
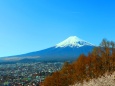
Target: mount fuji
(67, 50)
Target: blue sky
(31, 25)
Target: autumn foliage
(94, 65)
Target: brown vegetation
(96, 64)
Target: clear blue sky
(31, 25)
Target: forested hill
(85, 68)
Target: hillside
(87, 68)
(106, 80)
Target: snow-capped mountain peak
(73, 41)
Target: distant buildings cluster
(26, 74)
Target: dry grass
(107, 80)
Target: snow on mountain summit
(73, 41)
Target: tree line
(100, 61)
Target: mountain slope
(68, 49)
